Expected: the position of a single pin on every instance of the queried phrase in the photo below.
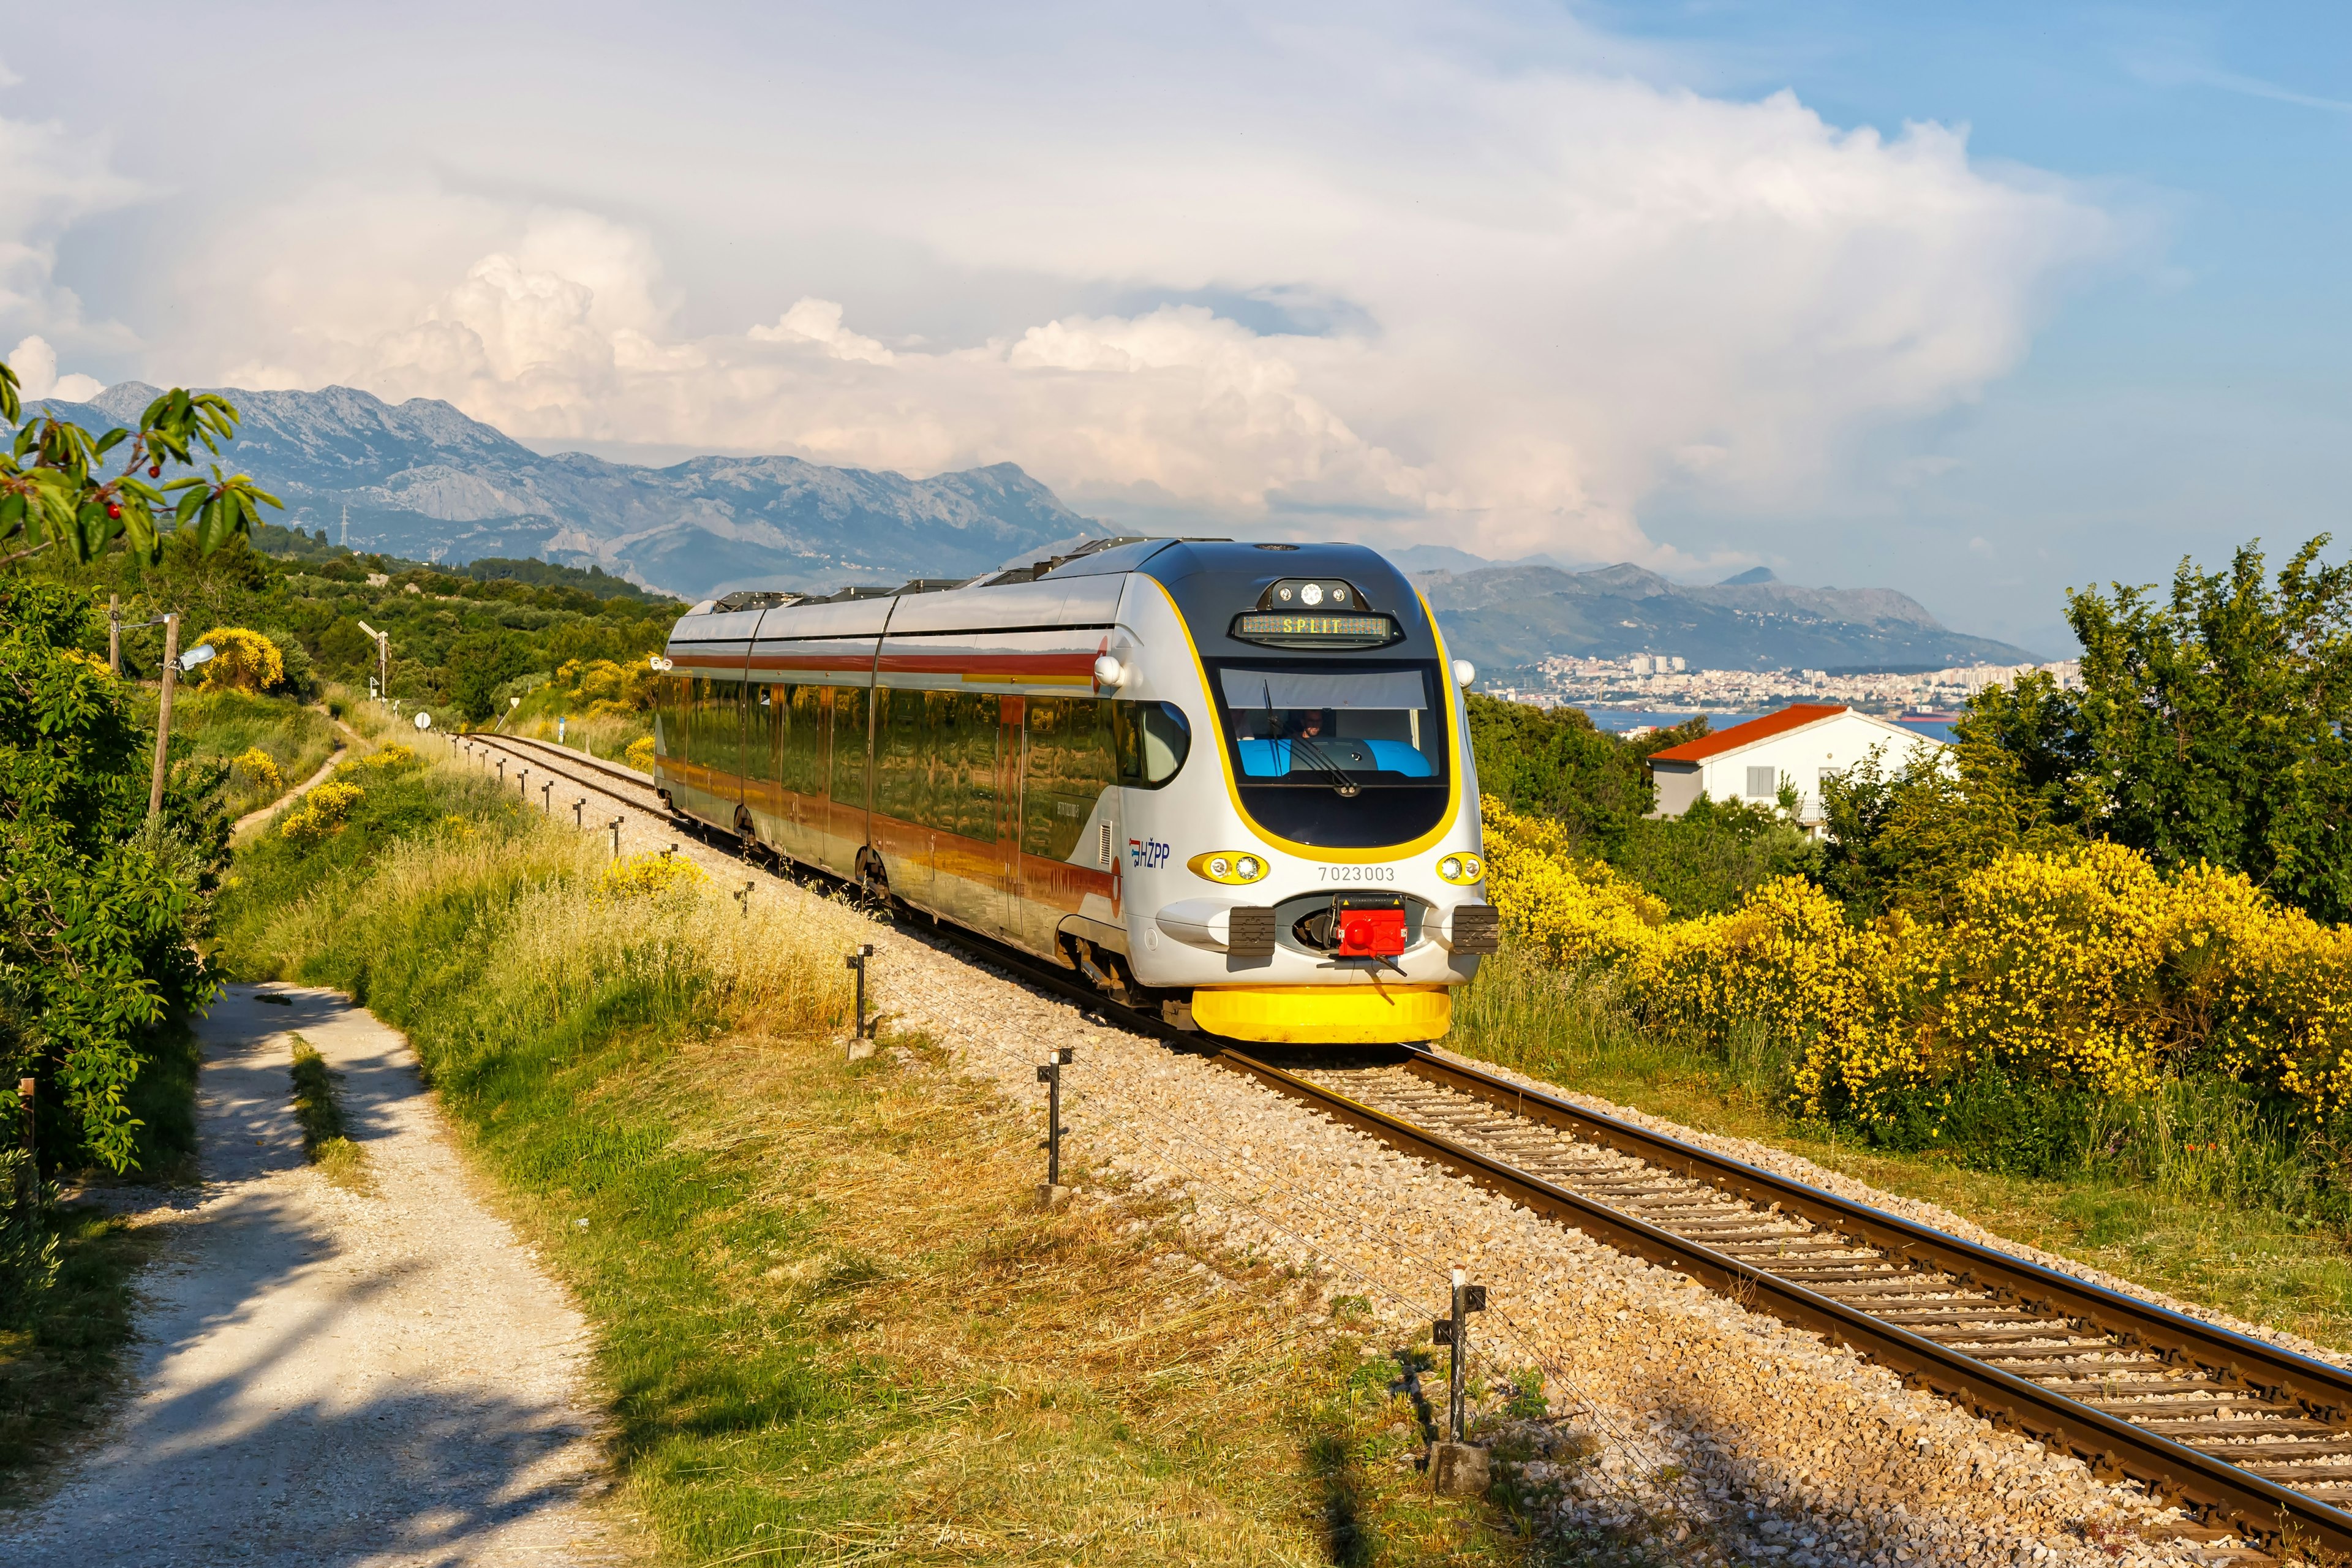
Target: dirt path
(330, 1378)
(305, 787)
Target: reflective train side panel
(1230, 782)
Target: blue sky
(1975, 302)
(2196, 396)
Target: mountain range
(423, 481)
(1520, 613)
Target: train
(1227, 783)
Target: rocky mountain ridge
(422, 480)
(1512, 616)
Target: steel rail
(2323, 1390)
(506, 744)
(2219, 1491)
(2114, 1447)
(548, 750)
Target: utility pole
(383, 659)
(114, 633)
(163, 712)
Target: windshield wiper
(1346, 788)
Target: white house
(1803, 743)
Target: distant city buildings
(1661, 682)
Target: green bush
(28, 1253)
(99, 906)
(1714, 855)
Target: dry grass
(605, 735)
(833, 1324)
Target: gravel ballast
(1719, 1434)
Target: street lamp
(383, 661)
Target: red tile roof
(1796, 716)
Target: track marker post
(579, 812)
(744, 896)
(615, 827)
(1456, 1469)
(861, 1045)
(1050, 1192)
(546, 800)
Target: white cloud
(1557, 288)
(35, 365)
(48, 181)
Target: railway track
(626, 785)
(2254, 1440)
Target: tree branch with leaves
(60, 485)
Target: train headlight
(1461, 870)
(1231, 866)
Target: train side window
(963, 786)
(668, 705)
(1153, 740)
(934, 759)
(1069, 761)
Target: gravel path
(1722, 1435)
(331, 1378)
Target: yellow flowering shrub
(640, 754)
(254, 766)
(323, 812)
(242, 661)
(392, 759)
(2088, 969)
(599, 686)
(651, 874)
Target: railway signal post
(1051, 1192)
(1455, 1468)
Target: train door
(732, 697)
(1008, 816)
(849, 733)
(800, 772)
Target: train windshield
(1334, 727)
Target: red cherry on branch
(154, 471)
(114, 510)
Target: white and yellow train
(1228, 782)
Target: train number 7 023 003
(1358, 873)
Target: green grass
(319, 1111)
(831, 1323)
(63, 1354)
(2251, 1230)
(225, 725)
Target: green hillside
(459, 638)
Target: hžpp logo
(1146, 854)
